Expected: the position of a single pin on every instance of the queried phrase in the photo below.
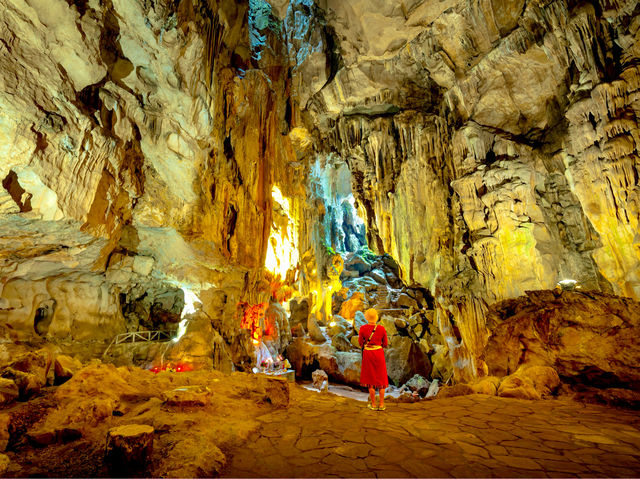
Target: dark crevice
(17, 193)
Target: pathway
(324, 435)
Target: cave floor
(324, 435)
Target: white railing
(140, 337)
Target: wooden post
(128, 451)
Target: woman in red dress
(373, 373)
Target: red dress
(373, 372)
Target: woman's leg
(381, 393)
(372, 396)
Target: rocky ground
(208, 423)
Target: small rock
(8, 390)
(417, 330)
(65, 367)
(129, 449)
(417, 382)
(188, 396)
(424, 346)
(320, 380)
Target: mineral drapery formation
(492, 147)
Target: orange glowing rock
(351, 306)
(251, 319)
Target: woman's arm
(360, 337)
(385, 340)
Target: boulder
(28, 384)
(357, 264)
(351, 306)
(417, 382)
(341, 343)
(187, 396)
(341, 367)
(128, 450)
(530, 382)
(404, 359)
(515, 387)
(275, 389)
(487, 385)
(341, 326)
(315, 333)
(378, 276)
(45, 435)
(588, 338)
(406, 301)
(454, 391)
(400, 323)
(65, 367)
(196, 347)
(359, 320)
(389, 325)
(544, 379)
(36, 363)
(9, 391)
(354, 341)
(320, 380)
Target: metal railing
(140, 337)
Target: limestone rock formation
(155, 150)
(588, 338)
(476, 134)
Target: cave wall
(139, 142)
(493, 145)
